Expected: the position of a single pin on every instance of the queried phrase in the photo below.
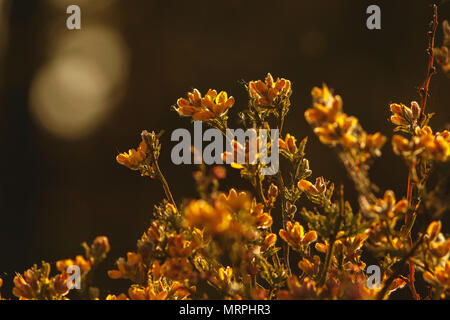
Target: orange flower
(263, 219)
(121, 296)
(402, 115)
(26, 286)
(373, 143)
(401, 145)
(266, 93)
(433, 229)
(288, 143)
(441, 276)
(201, 214)
(125, 267)
(326, 107)
(235, 201)
(210, 106)
(341, 131)
(59, 284)
(241, 155)
(388, 206)
(225, 274)
(269, 241)
(308, 266)
(179, 247)
(295, 235)
(79, 261)
(313, 189)
(134, 158)
(147, 293)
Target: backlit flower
(134, 158)
(295, 235)
(266, 93)
(210, 106)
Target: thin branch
(431, 69)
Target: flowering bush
(224, 244)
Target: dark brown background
(57, 193)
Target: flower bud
(433, 229)
(415, 110)
(273, 192)
(396, 108)
(307, 186)
(100, 247)
(60, 284)
(320, 185)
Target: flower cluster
(269, 93)
(212, 105)
(37, 284)
(288, 237)
(424, 144)
(335, 128)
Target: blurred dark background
(70, 100)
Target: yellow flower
(125, 267)
(147, 293)
(225, 274)
(179, 247)
(441, 276)
(134, 158)
(433, 229)
(400, 145)
(295, 235)
(263, 219)
(374, 141)
(440, 248)
(326, 107)
(121, 296)
(201, 214)
(403, 115)
(387, 206)
(210, 106)
(26, 286)
(308, 266)
(313, 189)
(59, 284)
(340, 131)
(269, 241)
(79, 261)
(438, 146)
(307, 186)
(265, 93)
(288, 143)
(178, 269)
(240, 156)
(235, 201)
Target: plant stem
(431, 69)
(326, 266)
(284, 218)
(259, 187)
(396, 274)
(165, 185)
(330, 251)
